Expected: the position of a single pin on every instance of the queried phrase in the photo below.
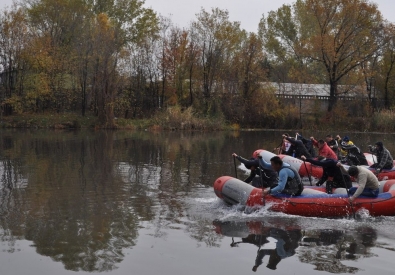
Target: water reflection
(324, 248)
(82, 198)
(327, 248)
(71, 207)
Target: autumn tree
(13, 42)
(217, 37)
(175, 58)
(386, 67)
(338, 34)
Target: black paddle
(261, 176)
(308, 174)
(348, 193)
(234, 162)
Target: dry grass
(383, 121)
(175, 118)
(54, 121)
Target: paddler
(367, 181)
(259, 176)
(289, 181)
(384, 158)
(332, 174)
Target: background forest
(116, 60)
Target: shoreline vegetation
(111, 65)
(175, 119)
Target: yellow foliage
(235, 126)
(16, 103)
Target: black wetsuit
(334, 146)
(297, 149)
(309, 145)
(354, 155)
(266, 176)
(332, 175)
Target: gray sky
(248, 12)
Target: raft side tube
(233, 191)
(389, 185)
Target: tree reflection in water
(80, 197)
(73, 207)
(326, 249)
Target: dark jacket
(354, 155)
(332, 172)
(308, 143)
(297, 147)
(269, 177)
(334, 145)
(384, 159)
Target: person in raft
(323, 149)
(332, 174)
(308, 143)
(384, 158)
(344, 143)
(354, 155)
(269, 177)
(367, 181)
(332, 143)
(297, 148)
(284, 147)
(289, 181)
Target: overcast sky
(248, 12)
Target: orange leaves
(103, 22)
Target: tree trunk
(332, 96)
(190, 85)
(83, 88)
(387, 79)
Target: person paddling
(308, 143)
(259, 176)
(344, 143)
(297, 148)
(323, 149)
(367, 181)
(332, 143)
(332, 174)
(289, 182)
(384, 158)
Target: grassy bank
(175, 119)
(383, 121)
(171, 119)
(47, 121)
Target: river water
(124, 202)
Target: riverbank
(168, 120)
(175, 119)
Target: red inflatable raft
(312, 202)
(306, 169)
